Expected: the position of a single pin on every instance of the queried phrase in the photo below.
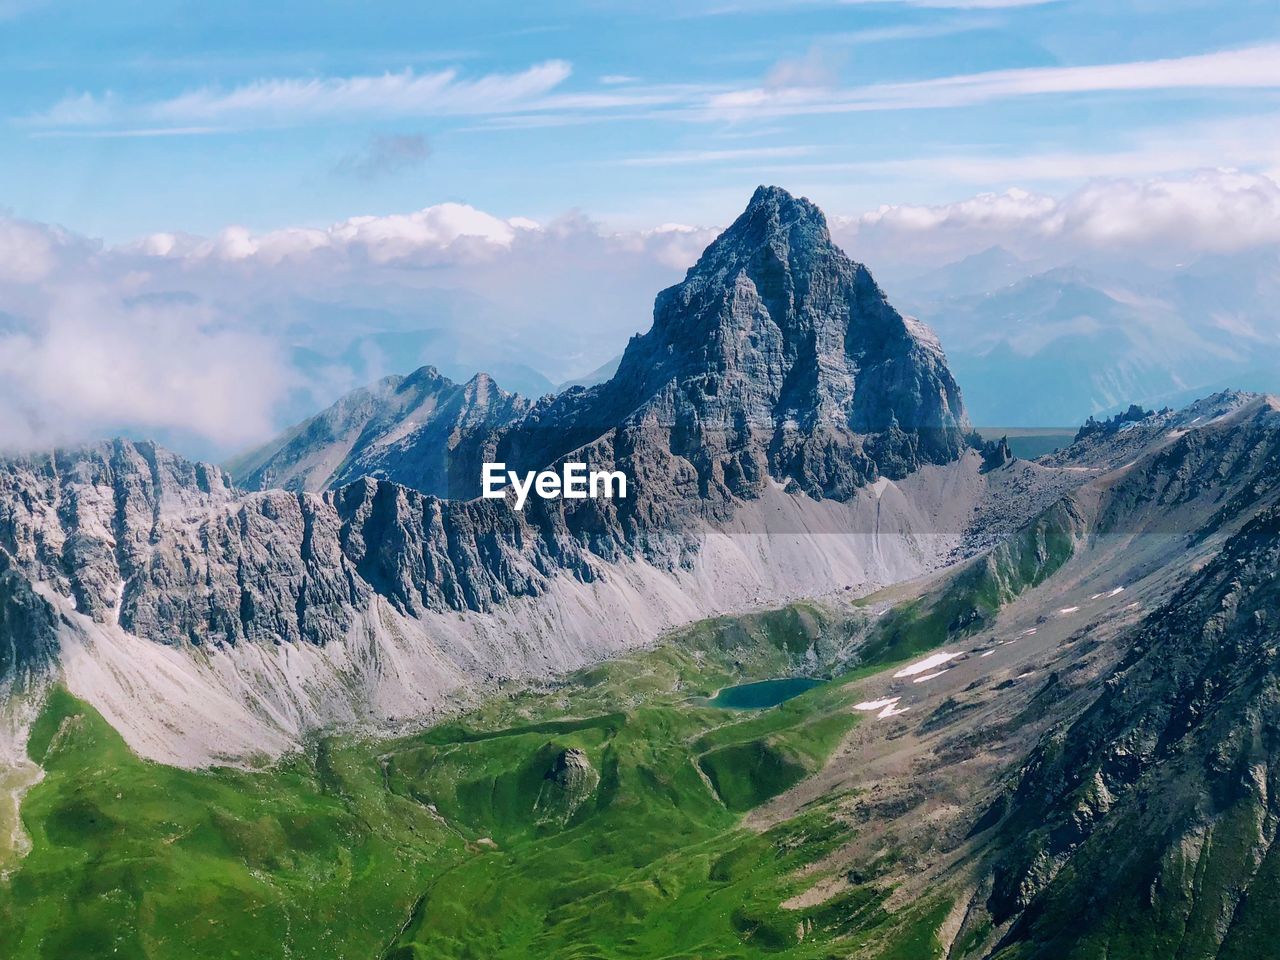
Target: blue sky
(123, 119)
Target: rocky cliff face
(136, 536)
(1149, 822)
(87, 521)
(403, 429)
(777, 358)
(1150, 814)
(1094, 770)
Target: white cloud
(296, 100)
(1214, 210)
(89, 361)
(1248, 67)
(1010, 210)
(377, 239)
(209, 337)
(1209, 211)
(27, 251)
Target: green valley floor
(600, 818)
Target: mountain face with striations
(776, 357)
(400, 428)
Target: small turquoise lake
(762, 694)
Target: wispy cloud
(292, 101)
(126, 133)
(765, 6)
(1248, 67)
(1250, 142)
(819, 68)
(912, 31)
(538, 96)
(9, 9)
(965, 4)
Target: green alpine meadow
(473, 838)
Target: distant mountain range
(403, 428)
(1037, 343)
(1040, 347)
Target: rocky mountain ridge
(783, 428)
(1088, 769)
(400, 428)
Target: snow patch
(925, 665)
(887, 707)
(929, 676)
(871, 705)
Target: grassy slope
(969, 599)
(140, 860)
(456, 843)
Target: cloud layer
(1212, 211)
(217, 341)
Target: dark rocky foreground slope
(1146, 827)
(1090, 771)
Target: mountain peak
(775, 217)
(782, 201)
(778, 343)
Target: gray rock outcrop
(401, 428)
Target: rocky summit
(777, 357)
(404, 429)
